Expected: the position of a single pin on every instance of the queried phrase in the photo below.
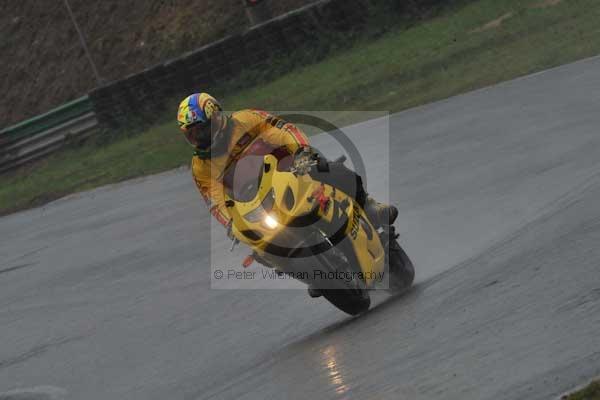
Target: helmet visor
(198, 134)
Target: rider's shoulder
(249, 114)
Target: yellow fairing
(365, 241)
(367, 247)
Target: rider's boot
(380, 214)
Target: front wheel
(353, 301)
(351, 296)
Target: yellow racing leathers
(249, 132)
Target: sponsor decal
(209, 109)
(320, 196)
(355, 223)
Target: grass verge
(590, 392)
(463, 48)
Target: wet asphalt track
(104, 295)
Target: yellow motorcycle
(316, 233)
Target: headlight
(271, 222)
(265, 207)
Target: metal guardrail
(314, 24)
(46, 133)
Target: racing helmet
(201, 121)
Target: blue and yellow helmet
(196, 108)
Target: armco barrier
(46, 133)
(140, 97)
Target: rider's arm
(212, 191)
(276, 131)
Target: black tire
(350, 301)
(402, 270)
(350, 297)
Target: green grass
(431, 60)
(590, 392)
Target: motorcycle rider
(220, 141)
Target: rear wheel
(401, 269)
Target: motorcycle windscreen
(242, 178)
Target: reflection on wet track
(333, 369)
